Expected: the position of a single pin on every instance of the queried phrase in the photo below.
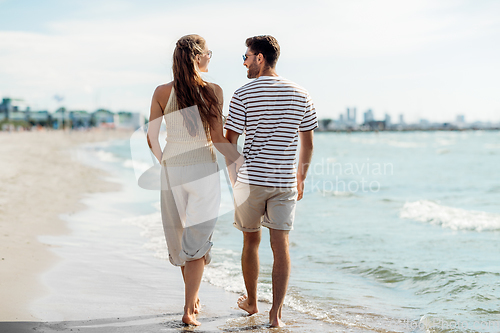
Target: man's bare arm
(305, 155)
(232, 137)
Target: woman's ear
(197, 61)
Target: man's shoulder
(249, 86)
(292, 85)
(270, 83)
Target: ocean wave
(450, 217)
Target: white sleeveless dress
(190, 195)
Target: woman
(190, 195)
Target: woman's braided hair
(190, 88)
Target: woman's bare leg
(197, 305)
(192, 272)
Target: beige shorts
(257, 206)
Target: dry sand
(38, 181)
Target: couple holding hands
(276, 115)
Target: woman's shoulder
(164, 89)
(162, 94)
(216, 88)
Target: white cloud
(384, 54)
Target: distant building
(41, 118)
(103, 117)
(12, 109)
(132, 120)
(16, 110)
(351, 116)
(461, 119)
(323, 124)
(80, 119)
(368, 116)
(424, 124)
(387, 120)
(60, 118)
(376, 125)
(5, 108)
(401, 119)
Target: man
(274, 113)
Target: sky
(424, 59)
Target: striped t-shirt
(271, 111)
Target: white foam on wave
(106, 156)
(152, 230)
(450, 217)
(140, 166)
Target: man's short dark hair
(268, 46)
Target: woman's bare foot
(190, 319)
(197, 306)
(243, 304)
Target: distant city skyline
(423, 59)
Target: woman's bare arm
(161, 94)
(226, 148)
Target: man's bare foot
(276, 323)
(243, 304)
(197, 306)
(190, 319)
(275, 318)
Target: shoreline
(40, 180)
(101, 278)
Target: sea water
(397, 231)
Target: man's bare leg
(281, 273)
(193, 271)
(250, 268)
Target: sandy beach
(39, 180)
(70, 262)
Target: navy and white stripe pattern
(270, 111)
